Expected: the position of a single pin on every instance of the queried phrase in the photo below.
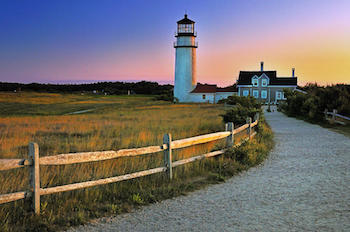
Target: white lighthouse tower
(185, 60)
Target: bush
(312, 105)
(239, 114)
(168, 96)
(249, 101)
(244, 107)
(255, 151)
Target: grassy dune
(115, 122)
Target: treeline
(317, 99)
(142, 87)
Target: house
(210, 93)
(265, 85)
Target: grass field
(111, 123)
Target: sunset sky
(72, 41)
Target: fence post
(35, 176)
(168, 155)
(256, 117)
(249, 121)
(325, 113)
(333, 115)
(230, 139)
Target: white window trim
(240, 86)
(255, 79)
(245, 91)
(255, 91)
(262, 83)
(264, 96)
(283, 97)
(278, 95)
(264, 76)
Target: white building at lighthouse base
(204, 93)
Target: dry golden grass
(116, 122)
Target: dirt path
(303, 186)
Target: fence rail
(34, 161)
(334, 115)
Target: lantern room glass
(185, 28)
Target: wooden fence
(336, 118)
(34, 161)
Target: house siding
(271, 92)
(223, 95)
(198, 97)
(209, 97)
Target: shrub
(255, 151)
(239, 114)
(249, 101)
(244, 107)
(312, 105)
(168, 96)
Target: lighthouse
(185, 60)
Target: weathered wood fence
(34, 161)
(336, 118)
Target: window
(256, 93)
(245, 93)
(263, 94)
(185, 28)
(203, 96)
(264, 82)
(278, 95)
(255, 82)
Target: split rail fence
(34, 161)
(336, 118)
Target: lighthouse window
(203, 96)
(185, 28)
(188, 28)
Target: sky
(131, 40)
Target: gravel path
(303, 186)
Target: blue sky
(48, 41)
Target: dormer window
(264, 82)
(255, 82)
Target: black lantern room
(185, 27)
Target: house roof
(232, 88)
(185, 20)
(283, 81)
(200, 88)
(246, 76)
(205, 88)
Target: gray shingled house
(265, 85)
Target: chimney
(262, 65)
(293, 72)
